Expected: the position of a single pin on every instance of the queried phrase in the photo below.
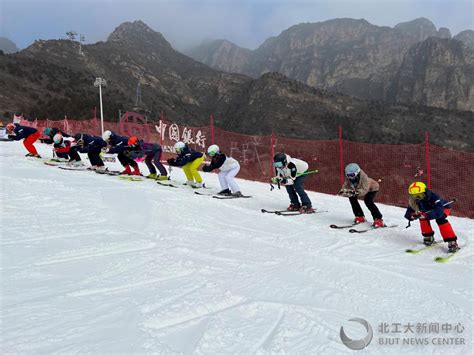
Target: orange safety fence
(448, 172)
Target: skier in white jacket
(289, 172)
(228, 166)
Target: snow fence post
(427, 159)
(272, 152)
(212, 128)
(341, 162)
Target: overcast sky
(186, 22)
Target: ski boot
(378, 223)
(101, 168)
(152, 176)
(293, 207)
(359, 219)
(225, 192)
(163, 177)
(428, 240)
(136, 171)
(453, 246)
(237, 194)
(306, 209)
(197, 185)
(127, 171)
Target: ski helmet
(47, 131)
(213, 150)
(279, 160)
(106, 135)
(58, 138)
(416, 188)
(352, 170)
(179, 146)
(133, 140)
(10, 127)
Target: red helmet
(10, 127)
(133, 140)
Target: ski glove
(206, 168)
(276, 179)
(172, 161)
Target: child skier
(289, 172)
(92, 145)
(358, 184)
(425, 205)
(117, 145)
(29, 134)
(228, 166)
(66, 149)
(50, 133)
(190, 160)
(152, 152)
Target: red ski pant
(445, 228)
(28, 142)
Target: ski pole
(307, 173)
(445, 205)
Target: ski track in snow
(92, 263)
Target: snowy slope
(91, 263)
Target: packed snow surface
(96, 264)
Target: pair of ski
(288, 213)
(353, 230)
(221, 197)
(170, 184)
(439, 259)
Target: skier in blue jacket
(92, 145)
(190, 160)
(118, 145)
(30, 135)
(425, 205)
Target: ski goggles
(211, 154)
(278, 164)
(351, 175)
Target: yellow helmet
(416, 188)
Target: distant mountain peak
(137, 32)
(420, 28)
(7, 46)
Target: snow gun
(297, 175)
(420, 216)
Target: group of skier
(423, 204)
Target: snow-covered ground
(95, 264)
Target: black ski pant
(369, 202)
(154, 158)
(297, 189)
(62, 155)
(125, 160)
(74, 155)
(94, 157)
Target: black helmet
(279, 160)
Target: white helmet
(179, 146)
(106, 135)
(213, 150)
(58, 138)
